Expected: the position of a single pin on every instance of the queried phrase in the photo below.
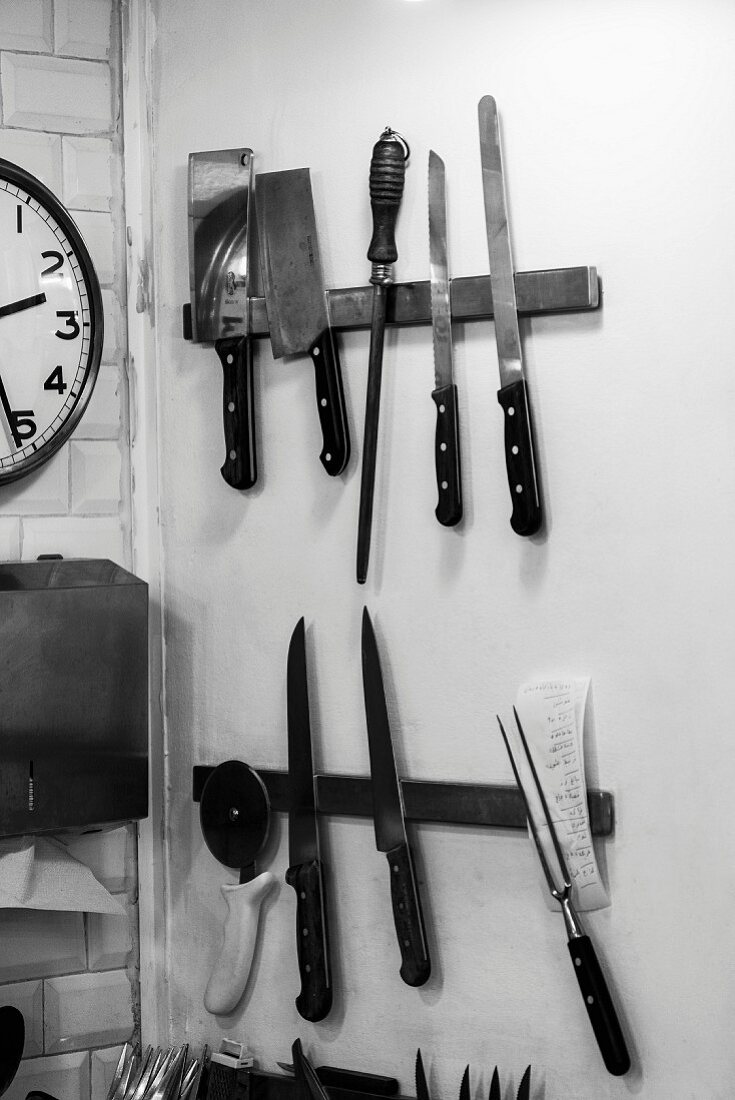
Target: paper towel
(39, 873)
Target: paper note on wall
(552, 715)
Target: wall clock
(51, 323)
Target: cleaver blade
(220, 187)
(295, 299)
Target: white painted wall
(618, 125)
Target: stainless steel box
(73, 696)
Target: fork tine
(545, 805)
(553, 888)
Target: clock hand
(23, 303)
(9, 414)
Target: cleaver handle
(330, 400)
(240, 468)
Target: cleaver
(295, 300)
(220, 185)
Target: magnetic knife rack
(490, 805)
(554, 290)
(254, 1084)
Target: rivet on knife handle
(387, 176)
(240, 469)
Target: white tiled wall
(73, 975)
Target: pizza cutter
(234, 811)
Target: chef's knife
(390, 828)
(446, 446)
(305, 870)
(220, 186)
(524, 1089)
(295, 300)
(519, 450)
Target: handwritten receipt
(552, 716)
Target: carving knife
(220, 186)
(295, 300)
(520, 460)
(446, 446)
(390, 828)
(305, 871)
(387, 177)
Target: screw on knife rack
(387, 175)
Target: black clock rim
(46, 198)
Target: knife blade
(446, 444)
(520, 458)
(295, 300)
(305, 1072)
(305, 873)
(464, 1088)
(524, 1089)
(351, 1080)
(422, 1089)
(220, 187)
(495, 1086)
(390, 828)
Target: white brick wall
(73, 976)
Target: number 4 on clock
(55, 381)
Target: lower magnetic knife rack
(499, 807)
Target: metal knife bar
(499, 807)
(551, 291)
(258, 1085)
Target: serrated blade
(422, 1089)
(524, 1089)
(441, 318)
(303, 839)
(505, 308)
(464, 1088)
(390, 829)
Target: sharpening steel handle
(408, 918)
(240, 468)
(230, 975)
(387, 178)
(330, 404)
(315, 999)
(446, 457)
(599, 1005)
(520, 460)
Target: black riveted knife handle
(599, 1005)
(446, 457)
(520, 460)
(315, 999)
(408, 918)
(387, 177)
(240, 468)
(330, 400)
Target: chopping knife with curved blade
(295, 300)
(235, 814)
(390, 828)
(305, 871)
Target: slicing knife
(295, 300)
(305, 871)
(390, 827)
(446, 446)
(513, 397)
(220, 186)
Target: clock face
(51, 323)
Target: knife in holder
(220, 186)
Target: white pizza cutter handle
(230, 975)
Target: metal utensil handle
(599, 1005)
(387, 176)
